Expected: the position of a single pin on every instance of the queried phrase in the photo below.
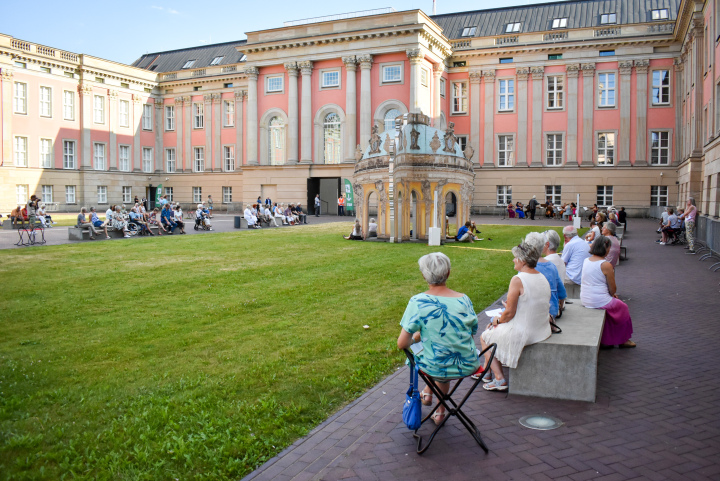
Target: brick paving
(657, 414)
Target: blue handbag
(412, 409)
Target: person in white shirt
(279, 213)
(268, 215)
(250, 218)
(372, 228)
(575, 252)
(552, 242)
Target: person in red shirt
(341, 205)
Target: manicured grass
(200, 357)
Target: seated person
(464, 234)
(250, 218)
(511, 211)
(137, 219)
(167, 218)
(612, 218)
(83, 223)
(120, 223)
(445, 321)
(613, 254)
(593, 232)
(525, 319)
(598, 291)
(356, 233)
(576, 250)
(43, 217)
(557, 288)
(269, 215)
(288, 215)
(154, 219)
(668, 229)
(97, 223)
(179, 218)
(372, 228)
(16, 215)
(278, 212)
(109, 214)
(519, 210)
(301, 214)
(552, 242)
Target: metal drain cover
(540, 422)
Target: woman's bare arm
(609, 272)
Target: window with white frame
(506, 92)
(226, 195)
(68, 105)
(606, 89)
(274, 83)
(124, 109)
(389, 120)
(442, 87)
(424, 77)
(169, 117)
(198, 115)
(607, 18)
(68, 154)
(147, 117)
(459, 97)
(604, 195)
(170, 165)
(554, 150)
(229, 158)
(332, 139)
(46, 153)
(147, 159)
(554, 193)
(504, 195)
(20, 98)
(661, 87)
(124, 158)
(555, 99)
(506, 150)
(99, 109)
(21, 194)
(330, 79)
(21, 151)
(99, 156)
(659, 195)
(606, 148)
(46, 194)
(513, 27)
(126, 194)
(188, 64)
(462, 141)
(102, 194)
(69, 194)
(660, 14)
(169, 193)
(216, 60)
(45, 102)
(469, 32)
(560, 23)
(660, 148)
(228, 113)
(392, 73)
(276, 141)
(197, 195)
(198, 159)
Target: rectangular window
(45, 102)
(660, 14)
(99, 156)
(229, 158)
(660, 148)
(68, 154)
(102, 194)
(20, 64)
(555, 92)
(506, 100)
(391, 74)
(554, 151)
(659, 195)
(504, 195)
(606, 148)
(554, 56)
(47, 194)
(554, 193)
(188, 64)
(198, 115)
(607, 53)
(469, 32)
(124, 107)
(604, 195)
(459, 98)
(197, 195)
(607, 18)
(46, 153)
(462, 141)
(169, 192)
(99, 109)
(124, 158)
(126, 194)
(147, 159)
(199, 159)
(69, 194)
(512, 27)
(147, 117)
(21, 151)
(506, 150)
(661, 87)
(274, 84)
(21, 194)
(330, 79)
(559, 23)
(68, 105)
(424, 77)
(442, 87)
(606, 90)
(169, 117)
(216, 60)
(100, 80)
(170, 160)
(20, 98)
(228, 113)
(227, 195)
(506, 60)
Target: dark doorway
(450, 204)
(150, 192)
(329, 189)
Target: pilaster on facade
(415, 56)
(679, 66)
(252, 115)
(488, 140)
(538, 73)
(216, 129)
(112, 109)
(475, 79)
(697, 25)
(641, 94)
(6, 79)
(179, 125)
(438, 70)
(240, 96)
(625, 69)
(350, 132)
(572, 70)
(293, 108)
(159, 152)
(187, 136)
(588, 72)
(365, 62)
(137, 105)
(306, 134)
(522, 74)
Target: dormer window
(469, 31)
(660, 14)
(607, 18)
(560, 23)
(216, 60)
(512, 27)
(189, 64)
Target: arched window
(276, 141)
(390, 116)
(332, 139)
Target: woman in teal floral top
(445, 322)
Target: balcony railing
(70, 57)
(229, 68)
(198, 73)
(554, 36)
(661, 28)
(45, 51)
(20, 45)
(608, 32)
(460, 44)
(506, 40)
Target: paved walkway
(657, 414)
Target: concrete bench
(564, 366)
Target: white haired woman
(525, 319)
(446, 322)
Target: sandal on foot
(425, 395)
(627, 344)
(486, 378)
(496, 385)
(438, 417)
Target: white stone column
(365, 99)
(572, 113)
(588, 70)
(188, 128)
(350, 132)
(489, 135)
(112, 124)
(438, 70)
(641, 94)
(475, 78)
(416, 57)
(159, 127)
(678, 87)
(136, 121)
(293, 120)
(252, 116)
(86, 114)
(624, 132)
(538, 73)
(179, 157)
(522, 74)
(6, 77)
(306, 122)
(239, 151)
(216, 129)
(697, 25)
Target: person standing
(689, 216)
(341, 205)
(210, 206)
(317, 205)
(532, 205)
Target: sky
(123, 31)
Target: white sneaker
(662, 243)
(127, 235)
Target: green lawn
(200, 357)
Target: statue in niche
(449, 139)
(375, 140)
(435, 143)
(358, 153)
(414, 136)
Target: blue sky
(123, 31)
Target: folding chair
(446, 400)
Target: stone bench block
(573, 290)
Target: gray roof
(173, 60)
(539, 17)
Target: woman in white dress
(525, 319)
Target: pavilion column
(350, 132)
(488, 140)
(159, 151)
(306, 123)
(217, 164)
(137, 107)
(416, 57)
(252, 116)
(641, 82)
(522, 74)
(6, 77)
(572, 112)
(187, 129)
(624, 133)
(538, 73)
(588, 70)
(293, 120)
(239, 151)
(365, 99)
(438, 70)
(86, 115)
(112, 124)
(475, 78)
